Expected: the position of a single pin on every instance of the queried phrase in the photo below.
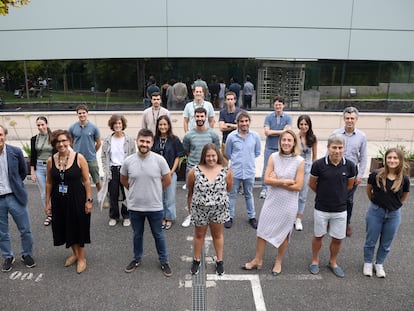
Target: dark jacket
(17, 170)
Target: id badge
(63, 188)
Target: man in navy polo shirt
(331, 178)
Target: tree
(4, 5)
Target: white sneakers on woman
(367, 271)
(379, 270)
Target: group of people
(176, 93)
(140, 179)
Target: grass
(70, 97)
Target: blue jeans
(381, 224)
(20, 214)
(168, 199)
(40, 173)
(267, 153)
(155, 222)
(248, 196)
(303, 194)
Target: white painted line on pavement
(253, 279)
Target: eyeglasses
(61, 141)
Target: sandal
(48, 221)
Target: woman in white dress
(284, 176)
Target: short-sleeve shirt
(388, 200)
(145, 182)
(84, 138)
(170, 149)
(331, 187)
(228, 117)
(190, 114)
(271, 120)
(194, 141)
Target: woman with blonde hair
(284, 175)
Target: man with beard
(189, 110)
(195, 140)
(242, 148)
(146, 174)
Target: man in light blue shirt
(274, 125)
(87, 141)
(356, 151)
(242, 148)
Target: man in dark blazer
(13, 200)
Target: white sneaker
(185, 187)
(112, 222)
(298, 224)
(263, 194)
(367, 271)
(379, 269)
(126, 222)
(187, 222)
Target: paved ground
(105, 285)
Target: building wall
(319, 29)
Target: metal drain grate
(199, 286)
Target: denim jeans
(168, 199)
(116, 190)
(303, 194)
(248, 196)
(138, 225)
(267, 153)
(381, 224)
(20, 215)
(40, 173)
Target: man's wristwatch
(90, 200)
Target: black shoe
(219, 267)
(195, 268)
(133, 265)
(165, 267)
(8, 264)
(228, 223)
(253, 223)
(28, 261)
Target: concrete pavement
(105, 285)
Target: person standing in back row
(151, 114)
(356, 151)
(87, 141)
(248, 91)
(189, 110)
(274, 125)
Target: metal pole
(26, 80)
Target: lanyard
(62, 171)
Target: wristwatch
(90, 200)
